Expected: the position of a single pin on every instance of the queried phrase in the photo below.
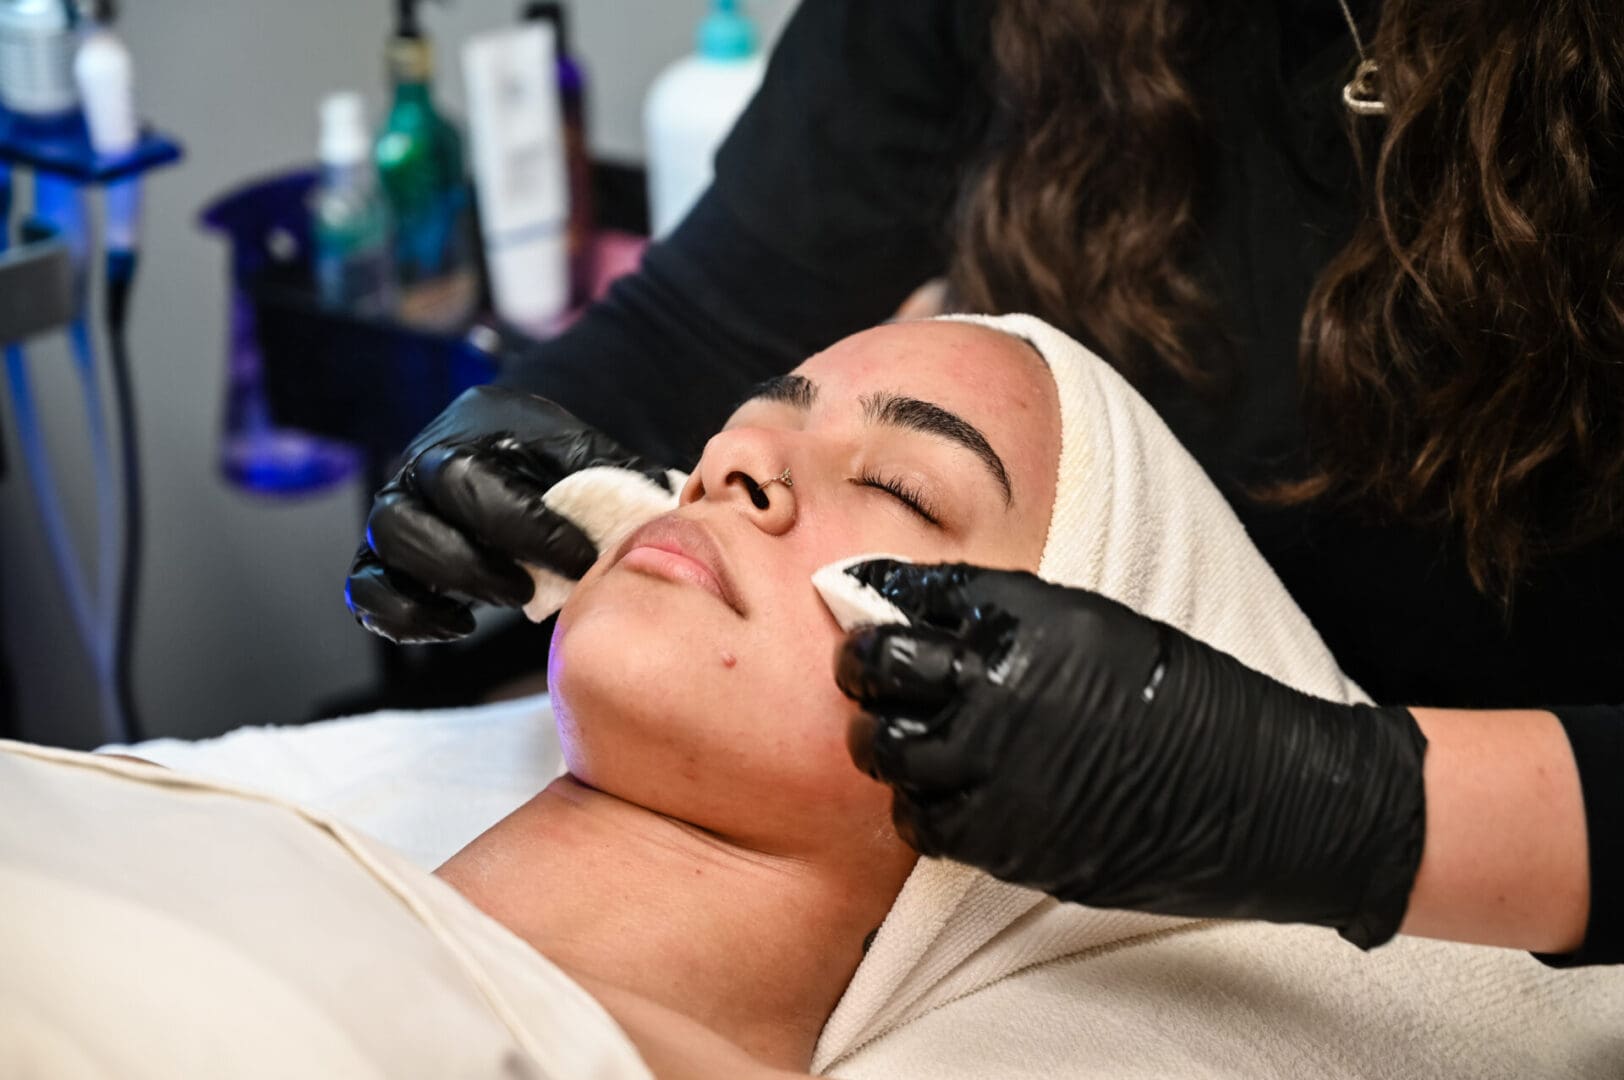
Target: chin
(647, 712)
(598, 671)
(627, 676)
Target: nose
(749, 469)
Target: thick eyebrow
(794, 390)
(896, 410)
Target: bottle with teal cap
(420, 162)
(692, 106)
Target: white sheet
(425, 782)
(154, 924)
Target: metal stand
(41, 289)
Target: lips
(690, 554)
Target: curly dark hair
(1462, 356)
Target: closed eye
(909, 495)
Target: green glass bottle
(420, 164)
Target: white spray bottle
(692, 106)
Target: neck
(411, 92)
(756, 947)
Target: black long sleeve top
(831, 203)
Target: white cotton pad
(606, 504)
(852, 603)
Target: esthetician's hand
(1058, 740)
(449, 527)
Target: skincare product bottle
(104, 74)
(516, 124)
(577, 160)
(691, 108)
(420, 165)
(37, 40)
(105, 77)
(348, 221)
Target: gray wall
(241, 619)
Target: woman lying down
(712, 890)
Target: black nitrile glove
(450, 525)
(1058, 740)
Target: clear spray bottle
(349, 221)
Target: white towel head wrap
(1135, 518)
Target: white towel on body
(157, 925)
(972, 977)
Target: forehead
(945, 362)
(993, 380)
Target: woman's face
(691, 668)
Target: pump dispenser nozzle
(406, 19)
(407, 24)
(97, 11)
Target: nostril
(758, 496)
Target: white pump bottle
(691, 108)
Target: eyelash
(911, 497)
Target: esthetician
(1365, 260)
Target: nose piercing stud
(758, 492)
